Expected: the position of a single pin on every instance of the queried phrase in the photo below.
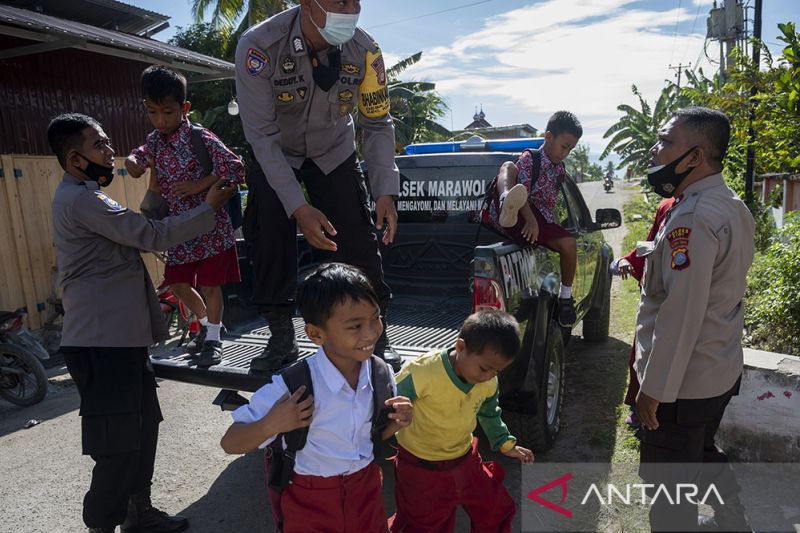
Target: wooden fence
(27, 184)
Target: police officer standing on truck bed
(689, 328)
(299, 76)
(111, 317)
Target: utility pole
(726, 25)
(679, 67)
(751, 134)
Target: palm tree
(225, 13)
(637, 130)
(415, 106)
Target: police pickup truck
(443, 266)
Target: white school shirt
(338, 440)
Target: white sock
(203, 321)
(213, 332)
(565, 292)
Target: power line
(430, 14)
(697, 14)
(675, 33)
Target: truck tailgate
(416, 325)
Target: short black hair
(496, 330)
(564, 122)
(711, 128)
(329, 285)
(65, 133)
(160, 82)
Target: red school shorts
(333, 504)
(427, 494)
(548, 232)
(212, 271)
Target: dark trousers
(272, 236)
(673, 453)
(119, 421)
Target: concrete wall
(762, 424)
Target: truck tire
(596, 322)
(538, 432)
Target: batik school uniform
(336, 485)
(438, 467)
(543, 192)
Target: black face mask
(326, 76)
(94, 172)
(664, 179)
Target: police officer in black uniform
(299, 76)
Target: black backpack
(281, 460)
(234, 205)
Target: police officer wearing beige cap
(299, 76)
(689, 327)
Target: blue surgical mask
(339, 27)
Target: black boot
(144, 518)
(387, 353)
(282, 344)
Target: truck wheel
(538, 432)
(596, 321)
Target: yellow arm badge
(373, 96)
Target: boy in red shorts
(208, 261)
(438, 467)
(522, 205)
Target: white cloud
(581, 55)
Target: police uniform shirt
(108, 297)
(287, 118)
(690, 320)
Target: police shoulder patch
(255, 61)
(110, 202)
(680, 258)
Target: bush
(772, 299)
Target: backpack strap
(282, 459)
(536, 170)
(381, 391)
(200, 150)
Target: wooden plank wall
(27, 185)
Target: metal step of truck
(415, 327)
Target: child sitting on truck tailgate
(335, 484)
(210, 260)
(522, 205)
(438, 466)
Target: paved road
(44, 476)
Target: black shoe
(387, 353)
(196, 344)
(103, 529)
(144, 518)
(281, 347)
(211, 354)
(566, 312)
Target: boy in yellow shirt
(438, 466)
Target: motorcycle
(22, 376)
(608, 185)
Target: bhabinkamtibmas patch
(256, 61)
(373, 97)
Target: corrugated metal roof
(36, 26)
(109, 14)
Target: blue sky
(523, 59)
